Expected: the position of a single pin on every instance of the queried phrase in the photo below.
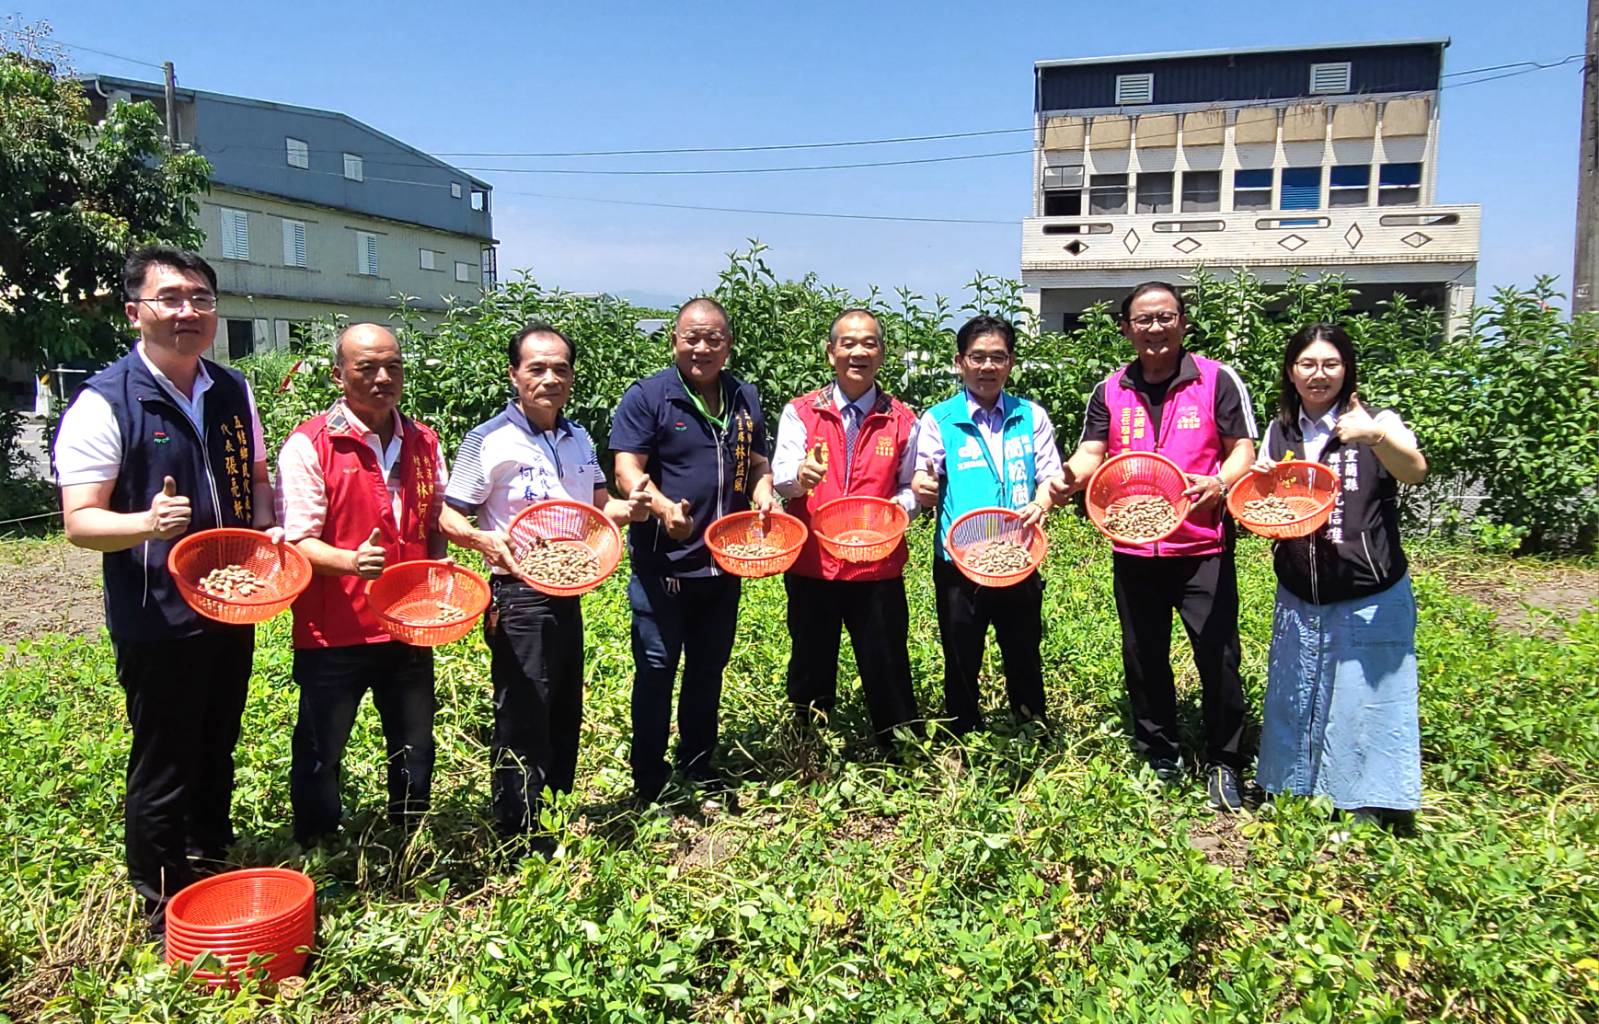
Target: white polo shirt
(505, 465)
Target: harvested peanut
(751, 550)
(1268, 510)
(999, 557)
(440, 613)
(232, 581)
(559, 563)
(1145, 515)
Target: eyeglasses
(174, 303)
(1145, 321)
(1327, 366)
(987, 358)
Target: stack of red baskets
(269, 913)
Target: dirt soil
(48, 586)
(1525, 594)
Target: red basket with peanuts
(565, 548)
(1131, 486)
(992, 548)
(755, 544)
(860, 528)
(237, 576)
(1304, 494)
(428, 603)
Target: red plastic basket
(281, 567)
(1132, 475)
(859, 528)
(1310, 488)
(249, 897)
(781, 531)
(973, 532)
(409, 594)
(559, 521)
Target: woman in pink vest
(1196, 412)
(361, 487)
(847, 438)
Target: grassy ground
(1027, 876)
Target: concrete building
(312, 212)
(1321, 158)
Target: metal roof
(1442, 41)
(156, 89)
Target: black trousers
(965, 611)
(693, 619)
(184, 700)
(536, 661)
(878, 620)
(1203, 590)
(332, 682)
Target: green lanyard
(719, 422)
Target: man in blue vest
(159, 444)
(985, 447)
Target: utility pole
(1585, 274)
(172, 103)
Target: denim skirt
(1340, 718)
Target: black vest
(142, 604)
(1357, 552)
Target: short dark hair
(832, 331)
(1153, 286)
(983, 324)
(1288, 404)
(513, 351)
(141, 260)
(705, 301)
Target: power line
(768, 213)
(747, 170)
(105, 53)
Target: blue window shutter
(1301, 188)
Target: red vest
(332, 612)
(1188, 437)
(880, 443)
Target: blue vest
(142, 604)
(971, 480)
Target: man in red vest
(848, 438)
(361, 487)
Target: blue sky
(539, 77)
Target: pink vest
(1188, 437)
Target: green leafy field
(1028, 876)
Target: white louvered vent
(298, 151)
(366, 253)
(354, 167)
(1135, 89)
(235, 234)
(1329, 78)
(294, 243)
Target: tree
(74, 198)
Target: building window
(1252, 189)
(1135, 89)
(1067, 203)
(235, 234)
(455, 190)
(427, 260)
(366, 253)
(294, 243)
(1329, 78)
(480, 199)
(299, 153)
(1154, 192)
(1107, 193)
(241, 339)
(1349, 185)
(1301, 189)
(1399, 185)
(463, 271)
(1201, 191)
(354, 167)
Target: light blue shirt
(991, 425)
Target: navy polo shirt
(688, 457)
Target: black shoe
(1221, 786)
(1169, 770)
(703, 776)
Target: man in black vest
(159, 444)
